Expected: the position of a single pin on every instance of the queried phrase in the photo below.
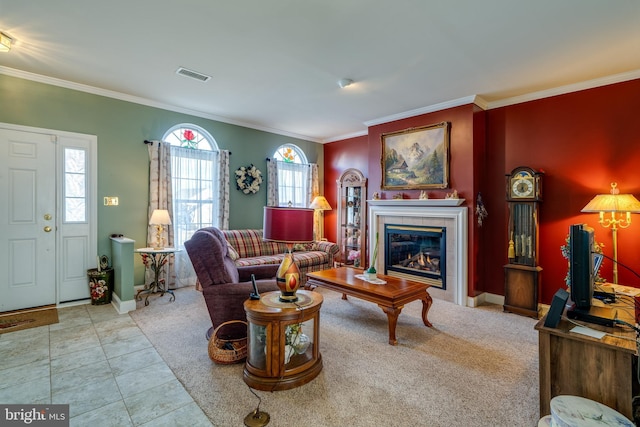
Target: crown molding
(472, 99)
(347, 136)
(142, 101)
(423, 110)
(562, 90)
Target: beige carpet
(11, 321)
(476, 367)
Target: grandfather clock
(522, 273)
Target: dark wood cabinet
(522, 286)
(603, 370)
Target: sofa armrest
(265, 271)
(328, 247)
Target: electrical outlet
(111, 201)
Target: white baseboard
(122, 307)
(485, 298)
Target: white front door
(44, 248)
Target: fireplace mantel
(444, 212)
(415, 202)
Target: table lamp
(159, 217)
(616, 204)
(320, 204)
(290, 226)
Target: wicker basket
(227, 352)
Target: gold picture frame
(416, 158)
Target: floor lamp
(620, 207)
(319, 205)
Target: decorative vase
(371, 273)
(288, 278)
(302, 343)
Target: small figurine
(453, 195)
(398, 196)
(376, 196)
(423, 195)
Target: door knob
(47, 229)
(47, 217)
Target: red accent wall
(338, 157)
(364, 153)
(582, 141)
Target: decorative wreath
(248, 179)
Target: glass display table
(283, 341)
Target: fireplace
(417, 253)
(438, 214)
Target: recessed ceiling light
(344, 83)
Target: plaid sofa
(246, 248)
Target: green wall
(123, 162)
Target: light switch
(111, 201)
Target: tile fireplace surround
(431, 212)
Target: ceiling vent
(192, 74)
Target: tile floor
(102, 365)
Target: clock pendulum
(522, 272)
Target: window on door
(75, 185)
(293, 176)
(194, 176)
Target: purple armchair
(225, 286)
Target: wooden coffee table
(390, 297)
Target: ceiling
(274, 65)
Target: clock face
(522, 187)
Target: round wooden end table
(283, 341)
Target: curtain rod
(275, 160)
(146, 141)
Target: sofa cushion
(304, 260)
(310, 259)
(249, 243)
(259, 260)
(233, 254)
(298, 247)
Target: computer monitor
(581, 265)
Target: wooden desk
(575, 364)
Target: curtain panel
(160, 197)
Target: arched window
(190, 136)
(290, 153)
(294, 176)
(194, 177)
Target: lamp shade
(320, 203)
(288, 225)
(160, 216)
(613, 203)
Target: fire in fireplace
(416, 252)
